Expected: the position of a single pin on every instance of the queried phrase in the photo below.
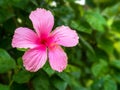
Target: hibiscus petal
(43, 21)
(25, 38)
(34, 59)
(64, 36)
(57, 58)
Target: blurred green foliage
(94, 64)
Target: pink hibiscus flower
(44, 43)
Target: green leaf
(22, 49)
(20, 3)
(6, 62)
(48, 69)
(59, 84)
(106, 44)
(41, 82)
(22, 76)
(86, 45)
(16, 86)
(101, 54)
(5, 3)
(112, 11)
(10, 27)
(34, 2)
(5, 14)
(65, 77)
(116, 77)
(116, 63)
(2, 2)
(98, 84)
(20, 62)
(99, 68)
(116, 26)
(96, 20)
(117, 46)
(110, 21)
(72, 68)
(109, 83)
(81, 27)
(71, 80)
(4, 87)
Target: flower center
(47, 41)
(44, 42)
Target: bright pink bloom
(43, 41)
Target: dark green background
(94, 64)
